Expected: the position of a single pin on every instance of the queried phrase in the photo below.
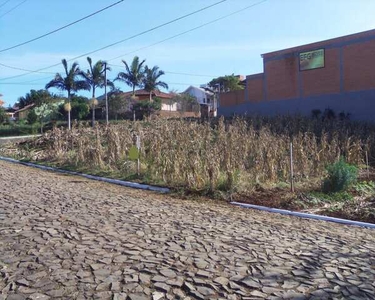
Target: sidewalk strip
(109, 180)
(305, 215)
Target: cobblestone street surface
(64, 237)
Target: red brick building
(337, 73)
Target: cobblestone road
(71, 238)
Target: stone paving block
(72, 238)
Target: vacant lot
(71, 238)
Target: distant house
(141, 95)
(21, 114)
(202, 95)
(205, 97)
(165, 98)
(10, 111)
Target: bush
(32, 117)
(341, 176)
(145, 108)
(18, 130)
(80, 109)
(3, 116)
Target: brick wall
(281, 78)
(232, 98)
(322, 44)
(325, 80)
(254, 86)
(359, 66)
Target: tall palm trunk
(93, 107)
(150, 96)
(70, 108)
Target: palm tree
(151, 80)
(133, 75)
(68, 83)
(95, 78)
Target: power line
(126, 39)
(61, 28)
(9, 11)
(21, 69)
(188, 74)
(23, 83)
(5, 2)
(190, 30)
(176, 73)
(38, 84)
(159, 42)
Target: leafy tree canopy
(134, 73)
(118, 105)
(79, 108)
(145, 108)
(185, 102)
(36, 97)
(3, 116)
(226, 83)
(32, 117)
(151, 80)
(1, 101)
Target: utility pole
(105, 93)
(217, 98)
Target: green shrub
(3, 116)
(340, 177)
(365, 188)
(317, 198)
(18, 130)
(32, 117)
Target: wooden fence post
(291, 169)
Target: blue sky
(232, 45)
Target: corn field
(222, 154)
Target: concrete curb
(166, 190)
(20, 137)
(305, 215)
(98, 178)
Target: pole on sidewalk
(105, 93)
(291, 169)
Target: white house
(202, 96)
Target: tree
(185, 102)
(151, 80)
(95, 78)
(36, 97)
(79, 108)
(133, 75)
(118, 104)
(45, 112)
(1, 101)
(69, 83)
(32, 117)
(146, 108)
(3, 116)
(227, 83)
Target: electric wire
(121, 41)
(9, 11)
(61, 28)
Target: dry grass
(223, 155)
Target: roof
(199, 89)
(343, 39)
(155, 93)
(25, 107)
(142, 92)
